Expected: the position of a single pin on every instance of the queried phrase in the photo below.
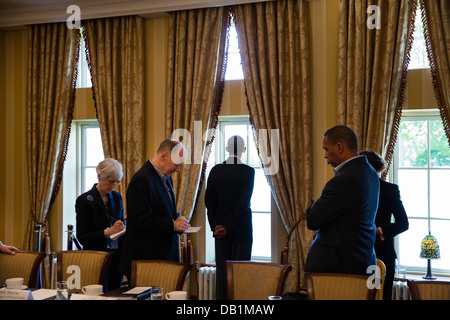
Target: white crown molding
(16, 13)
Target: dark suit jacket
(93, 218)
(344, 217)
(150, 220)
(227, 198)
(389, 204)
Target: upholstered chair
(382, 267)
(23, 264)
(93, 266)
(338, 286)
(250, 280)
(429, 289)
(169, 275)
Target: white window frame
(73, 179)
(422, 114)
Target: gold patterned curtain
(372, 69)
(115, 51)
(195, 80)
(274, 43)
(52, 59)
(436, 18)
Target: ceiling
(18, 13)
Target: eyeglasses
(113, 182)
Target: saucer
(22, 288)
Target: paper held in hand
(193, 229)
(118, 234)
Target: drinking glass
(62, 290)
(157, 293)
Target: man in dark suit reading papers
(153, 224)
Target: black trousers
(113, 275)
(389, 262)
(228, 249)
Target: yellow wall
(419, 93)
(14, 203)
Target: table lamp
(429, 249)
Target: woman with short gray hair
(100, 215)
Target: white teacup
(176, 295)
(14, 283)
(93, 289)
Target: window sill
(419, 276)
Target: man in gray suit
(344, 215)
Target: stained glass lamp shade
(429, 249)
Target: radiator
(400, 291)
(207, 283)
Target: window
(91, 154)
(85, 151)
(422, 172)
(84, 74)
(418, 54)
(234, 66)
(261, 197)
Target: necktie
(168, 189)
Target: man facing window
(228, 194)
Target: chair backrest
(382, 267)
(429, 290)
(250, 280)
(23, 264)
(338, 286)
(93, 266)
(169, 275)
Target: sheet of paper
(80, 296)
(43, 294)
(11, 294)
(118, 234)
(137, 290)
(193, 229)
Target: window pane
(252, 151)
(261, 192)
(440, 194)
(439, 229)
(84, 74)
(94, 151)
(418, 54)
(409, 242)
(413, 144)
(414, 191)
(234, 67)
(261, 235)
(233, 45)
(89, 179)
(439, 148)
